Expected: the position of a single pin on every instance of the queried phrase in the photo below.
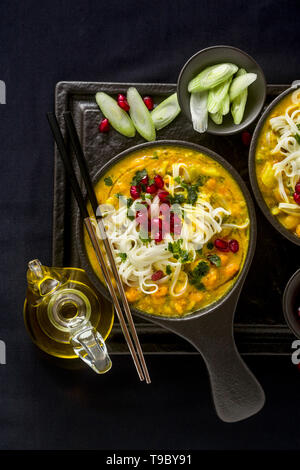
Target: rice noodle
(286, 127)
(140, 259)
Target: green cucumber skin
(106, 107)
(137, 106)
(157, 123)
(198, 83)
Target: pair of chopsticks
(136, 352)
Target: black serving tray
(260, 327)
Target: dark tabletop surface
(41, 43)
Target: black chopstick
(66, 158)
(93, 200)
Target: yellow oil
(40, 304)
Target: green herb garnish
(168, 270)
(201, 180)
(210, 245)
(178, 253)
(140, 174)
(215, 259)
(108, 181)
(177, 199)
(192, 191)
(297, 137)
(123, 257)
(198, 273)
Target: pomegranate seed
(159, 181)
(158, 237)
(157, 275)
(145, 180)
(297, 188)
(104, 125)
(151, 189)
(156, 223)
(122, 102)
(246, 138)
(296, 197)
(163, 196)
(148, 102)
(124, 105)
(156, 227)
(135, 192)
(233, 246)
(164, 209)
(221, 245)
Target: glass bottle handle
(89, 345)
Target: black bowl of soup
(291, 303)
(170, 277)
(274, 163)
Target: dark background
(45, 407)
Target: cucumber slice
(241, 83)
(198, 107)
(239, 103)
(165, 112)
(140, 115)
(211, 76)
(225, 107)
(216, 117)
(117, 117)
(217, 95)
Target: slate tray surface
(260, 327)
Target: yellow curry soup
(277, 162)
(203, 275)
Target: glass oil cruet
(64, 316)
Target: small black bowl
(291, 302)
(216, 55)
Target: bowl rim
(286, 310)
(252, 237)
(241, 126)
(252, 168)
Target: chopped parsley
(191, 189)
(140, 174)
(178, 253)
(192, 193)
(108, 181)
(198, 273)
(177, 199)
(214, 259)
(123, 257)
(168, 270)
(297, 137)
(210, 245)
(201, 180)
